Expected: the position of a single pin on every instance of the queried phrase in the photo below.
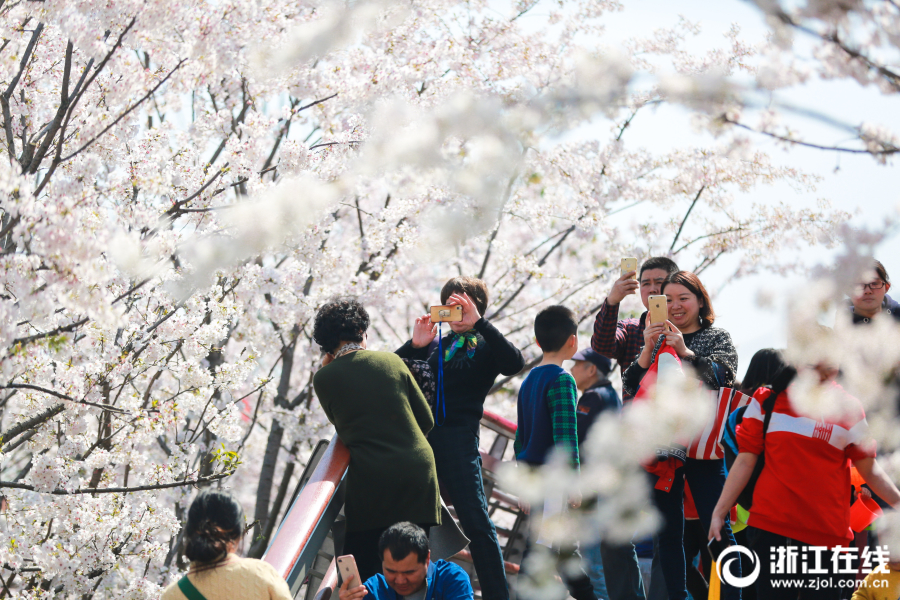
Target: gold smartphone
(446, 314)
(659, 309)
(347, 567)
(628, 265)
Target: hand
(327, 358)
(470, 311)
(865, 493)
(652, 333)
(347, 593)
(423, 332)
(624, 286)
(716, 524)
(675, 339)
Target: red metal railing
(299, 537)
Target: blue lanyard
(440, 404)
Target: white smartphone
(347, 568)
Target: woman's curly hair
(214, 520)
(342, 319)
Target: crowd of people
(762, 475)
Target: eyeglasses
(875, 285)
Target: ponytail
(780, 383)
(214, 520)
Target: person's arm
(610, 335)
(318, 387)
(507, 358)
(878, 480)
(737, 480)
(419, 405)
(561, 399)
(721, 353)
(631, 378)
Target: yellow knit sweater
(236, 577)
(880, 586)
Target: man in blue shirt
(408, 573)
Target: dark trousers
(694, 544)
(706, 478)
(363, 545)
(622, 572)
(459, 470)
(762, 542)
(569, 565)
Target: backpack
(780, 383)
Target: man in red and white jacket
(802, 495)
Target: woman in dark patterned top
(710, 351)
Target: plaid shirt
(621, 340)
(562, 398)
(558, 400)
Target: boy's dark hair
(403, 538)
(659, 262)
(474, 287)
(762, 369)
(692, 283)
(215, 518)
(342, 319)
(881, 272)
(553, 326)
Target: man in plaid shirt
(547, 420)
(623, 339)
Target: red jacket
(803, 491)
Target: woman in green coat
(382, 417)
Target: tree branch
(687, 214)
(127, 111)
(31, 423)
(61, 396)
(120, 490)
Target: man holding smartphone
(622, 340)
(408, 572)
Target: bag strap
(187, 588)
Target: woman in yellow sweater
(212, 533)
(880, 586)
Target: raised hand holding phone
(626, 284)
(351, 588)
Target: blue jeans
(459, 471)
(593, 565)
(706, 478)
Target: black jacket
(889, 306)
(468, 380)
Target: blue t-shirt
(444, 581)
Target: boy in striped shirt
(547, 420)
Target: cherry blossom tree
(183, 184)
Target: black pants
(771, 586)
(363, 545)
(695, 543)
(459, 471)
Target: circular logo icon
(723, 567)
